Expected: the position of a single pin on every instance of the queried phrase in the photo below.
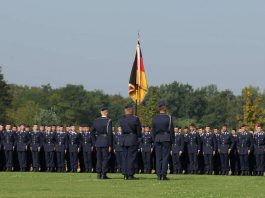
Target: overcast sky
(93, 42)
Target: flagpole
(137, 86)
(136, 102)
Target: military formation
(131, 148)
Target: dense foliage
(73, 104)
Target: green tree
(47, 117)
(24, 114)
(5, 98)
(252, 110)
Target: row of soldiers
(131, 148)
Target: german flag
(138, 83)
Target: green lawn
(86, 185)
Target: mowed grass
(86, 185)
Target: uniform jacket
(131, 130)
(193, 142)
(22, 140)
(224, 142)
(178, 143)
(36, 140)
(209, 143)
(146, 142)
(61, 141)
(117, 141)
(243, 142)
(86, 140)
(258, 143)
(163, 129)
(8, 140)
(49, 141)
(102, 132)
(74, 141)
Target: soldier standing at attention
(74, 143)
(259, 149)
(163, 132)
(146, 147)
(194, 148)
(87, 143)
(224, 148)
(243, 142)
(177, 150)
(102, 132)
(131, 136)
(117, 148)
(208, 147)
(1, 148)
(36, 141)
(61, 145)
(49, 148)
(22, 142)
(8, 141)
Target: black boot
(104, 176)
(99, 176)
(164, 177)
(131, 177)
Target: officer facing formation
(163, 132)
(102, 132)
(131, 136)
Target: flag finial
(138, 35)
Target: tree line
(73, 104)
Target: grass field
(86, 185)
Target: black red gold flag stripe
(138, 83)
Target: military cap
(161, 103)
(103, 108)
(128, 106)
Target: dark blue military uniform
(193, 147)
(146, 149)
(234, 158)
(87, 143)
(131, 136)
(74, 145)
(258, 145)
(8, 141)
(209, 146)
(118, 150)
(61, 146)
(36, 142)
(22, 143)
(1, 152)
(102, 132)
(49, 148)
(177, 150)
(243, 143)
(224, 146)
(163, 132)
